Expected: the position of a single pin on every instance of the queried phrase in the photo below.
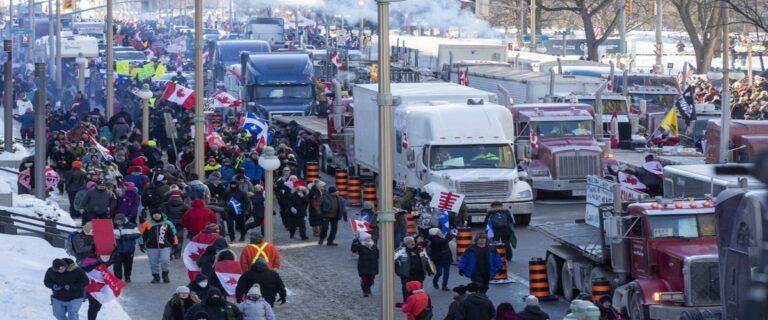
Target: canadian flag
(213, 138)
(336, 60)
(103, 286)
(655, 168)
(195, 249)
(534, 139)
(359, 225)
(228, 272)
(448, 201)
(224, 99)
(150, 54)
(630, 181)
(179, 94)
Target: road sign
(670, 65)
(527, 37)
(18, 31)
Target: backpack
(68, 247)
(499, 220)
(426, 314)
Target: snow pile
(28, 205)
(25, 261)
(21, 152)
(5, 188)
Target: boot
(366, 292)
(445, 288)
(165, 277)
(434, 284)
(155, 278)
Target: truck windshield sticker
(662, 232)
(455, 162)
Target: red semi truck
(748, 139)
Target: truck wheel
(692, 315)
(637, 311)
(554, 266)
(522, 219)
(569, 292)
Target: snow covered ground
(25, 261)
(21, 151)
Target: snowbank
(28, 205)
(21, 152)
(25, 261)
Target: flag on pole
(212, 137)
(686, 105)
(228, 272)
(670, 123)
(447, 200)
(223, 99)
(180, 95)
(236, 206)
(445, 222)
(259, 127)
(102, 150)
(360, 225)
(103, 286)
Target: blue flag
(236, 205)
(445, 224)
(489, 228)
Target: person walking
(440, 253)
(459, 293)
(216, 307)
(181, 301)
(333, 208)
(269, 281)
(506, 311)
(158, 236)
(423, 214)
(197, 218)
(98, 202)
(74, 180)
(480, 262)
(67, 281)
(299, 203)
(126, 235)
(410, 264)
(254, 307)
(499, 220)
(237, 204)
(532, 309)
(418, 304)
(476, 306)
(316, 193)
(199, 285)
(174, 209)
(258, 248)
(367, 262)
(129, 203)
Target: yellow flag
(122, 68)
(375, 72)
(160, 71)
(670, 122)
(134, 73)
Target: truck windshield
(685, 226)
(666, 100)
(283, 92)
(130, 55)
(471, 156)
(563, 128)
(610, 106)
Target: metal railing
(53, 232)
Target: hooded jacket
(256, 309)
(129, 204)
(469, 259)
(416, 302)
(439, 250)
(196, 218)
(176, 308)
(158, 234)
(300, 203)
(69, 285)
(126, 235)
(223, 310)
(476, 306)
(99, 202)
(270, 282)
(175, 209)
(141, 163)
(368, 259)
(208, 258)
(74, 180)
(534, 313)
(195, 287)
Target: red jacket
(141, 163)
(416, 302)
(196, 218)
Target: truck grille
(484, 189)
(702, 282)
(577, 165)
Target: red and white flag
(447, 201)
(179, 94)
(102, 149)
(195, 249)
(534, 139)
(213, 138)
(103, 286)
(360, 225)
(149, 53)
(630, 181)
(464, 77)
(223, 99)
(228, 272)
(654, 167)
(336, 60)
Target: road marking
(297, 245)
(514, 277)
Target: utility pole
(659, 45)
(622, 27)
(58, 48)
(10, 20)
(110, 64)
(386, 205)
(8, 104)
(31, 45)
(725, 125)
(520, 23)
(50, 32)
(533, 25)
(40, 156)
(199, 116)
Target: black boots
(366, 290)
(155, 278)
(165, 277)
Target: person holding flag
(499, 225)
(238, 204)
(440, 253)
(367, 261)
(479, 254)
(68, 282)
(667, 134)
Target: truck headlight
(539, 172)
(525, 194)
(668, 297)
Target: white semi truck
(446, 134)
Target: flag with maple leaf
(103, 285)
(195, 248)
(180, 95)
(630, 181)
(228, 272)
(359, 225)
(223, 99)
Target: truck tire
(522, 219)
(692, 315)
(554, 266)
(569, 291)
(637, 311)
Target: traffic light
(68, 5)
(628, 7)
(658, 50)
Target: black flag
(686, 106)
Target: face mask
(203, 284)
(301, 194)
(215, 299)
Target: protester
(333, 208)
(67, 281)
(269, 282)
(506, 311)
(367, 262)
(410, 264)
(500, 222)
(459, 293)
(440, 253)
(418, 304)
(215, 306)
(181, 301)
(254, 307)
(126, 235)
(476, 305)
(258, 248)
(532, 310)
(480, 262)
(158, 236)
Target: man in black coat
(476, 306)
(299, 204)
(270, 282)
(216, 306)
(440, 253)
(68, 283)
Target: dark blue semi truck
(277, 84)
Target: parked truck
(748, 139)
(556, 146)
(269, 29)
(277, 83)
(452, 136)
(700, 180)
(659, 256)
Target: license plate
(579, 192)
(477, 219)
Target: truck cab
(277, 83)
(613, 105)
(748, 139)
(556, 146)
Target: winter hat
(424, 195)
(130, 186)
(496, 204)
(77, 164)
(182, 289)
(531, 301)
(211, 159)
(367, 206)
(89, 185)
(256, 237)
(433, 231)
(332, 190)
(473, 287)
(255, 291)
(320, 184)
(461, 289)
(364, 235)
(200, 278)
(261, 261)
(176, 193)
(120, 217)
(202, 315)
(211, 228)
(58, 263)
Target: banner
(447, 200)
(51, 177)
(103, 236)
(103, 286)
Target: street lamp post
(110, 65)
(270, 163)
(81, 61)
(40, 151)
(8, 104)
(145, 94)
(199, 116)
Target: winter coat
(256, 310)
(175, 209)
(241, 197)
(196, 218)
(176, 308)
(500, 231)
(222, 311)
(476, 306)
(416, 302)
(208, 258)
(127, 235)
(100, 202)
(153, 195)
(453, 308)
(79, 196)
(250, 253)
(300, 203)
(270, 282)
(138, 179)
(368, 259)
(227, 173)
(69, 285)
(315, 212)
(82, 245)
(196, 288)
(469, 259)
(62, 160)
(326, 207)
(410, 264)
(439, 250)
(120, 129)
(534, 313)
(129, 204)
(74, 180)
(140, 162)
(158, 234)
(198, 190)
(222, 255)
(252, 170)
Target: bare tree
(590, 11)
(754, 12)
(701, 20)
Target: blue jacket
(252, 170)
(469, 258)
(27, 120)
(227, 173)
(128, 235)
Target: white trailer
(447, 54)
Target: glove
(461, 272)
(282, 300)
(293, 210)
(66, 287)
(56, 287)
(142, 248)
